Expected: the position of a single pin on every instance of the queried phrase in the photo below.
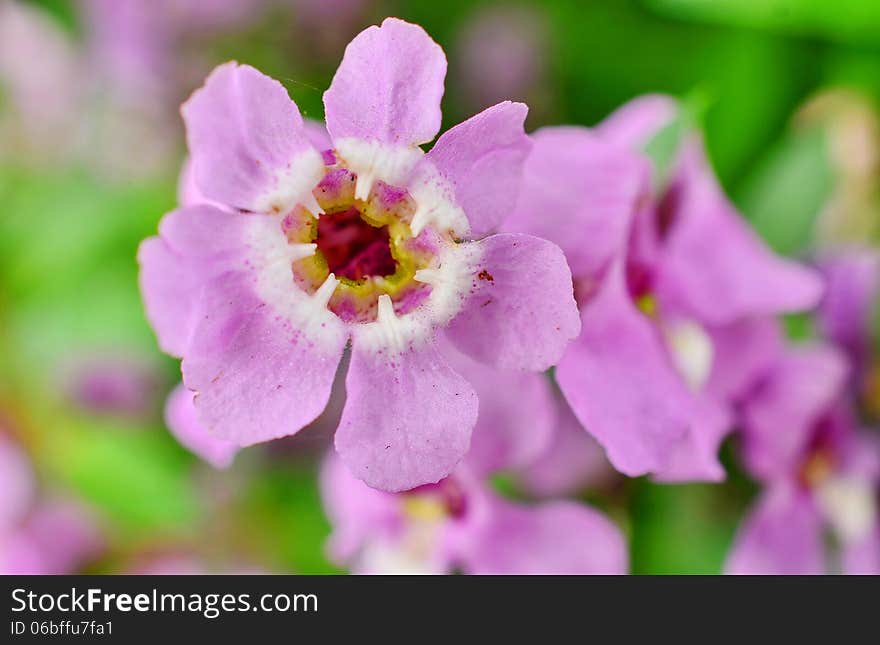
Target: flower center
(367, 244)
(817, 467)
(445, 499)
(354, 248)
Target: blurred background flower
(785, 96)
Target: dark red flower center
(354, 248)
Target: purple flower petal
(16, 484)
(853, 288)
(258, 376)
(742, 351)
(581, 193)
(782, 535)
(388, 86)
(195, 245)
(357, 512)
(408, 417)
(714, 267)
(247, 142)
(862, 558)
(64, 534)
(317, 134)
(780, 416)
(554, 538)
(189, 194)
(183, 422)
(635, 123)
(483, 159)
(620, 382)
(19, 555)
(696, 458)
(517, 416)
(572, 462)
(521, 313)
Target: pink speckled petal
(317, 134)
(247, 141)
(781, 535)
(581, 193)
(483, 159)
(257, 377)
(521, 313)
(189, 194)
(183, 422)
(388, 86)
(407, 419)
(194, 246)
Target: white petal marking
(849, 506)
(692, 351)
(302, 251)
(294, 184)
(435, 203)
(372, 161)
(325, 291)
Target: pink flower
(136, 46)
(461, 524)
(39, 536)
(114, 383)
(371, 242)
(512, 44)
(142, 57)
(847, 309)
(675, 291)
(820, 471)
(41, 99)
(182, 420)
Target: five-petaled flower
(298, 251)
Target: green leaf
(139, 479)
(283, 511)
(662, 148)
(681, 529)
(788, 190)
(856, 21)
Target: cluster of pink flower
(40, 534)
(455, 278)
